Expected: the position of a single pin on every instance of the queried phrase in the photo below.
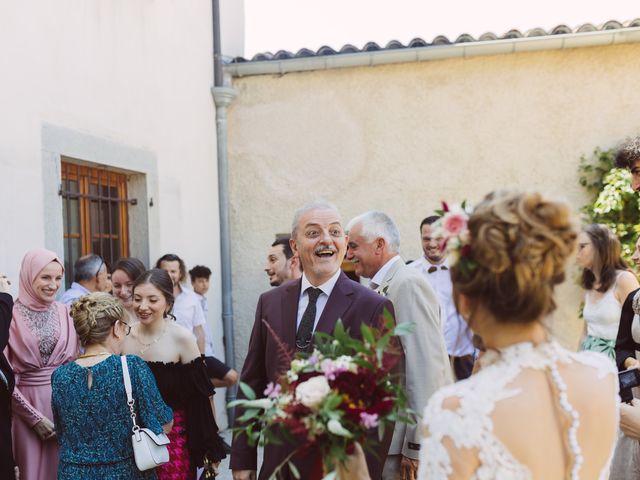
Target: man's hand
(45, 429)
(630, 419)
(4, 283)
(355, 467)
(408, 468)
(631, 362)
(244, 474)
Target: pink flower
(368, 420)
(331, 368)
(272, 390)
(454, 223)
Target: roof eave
(437, 52)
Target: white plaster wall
(133, 75)
(232, 37)
(400, 138)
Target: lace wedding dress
(471, 425)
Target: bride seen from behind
(535, 409)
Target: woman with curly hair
(89, 400)
(607, 282)
(535, 409)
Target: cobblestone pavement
(225, 473)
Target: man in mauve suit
(374, 242)
(319, 240)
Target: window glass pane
(115, 218)
(72, 207)
(93, 218)
(96, 247)
(115, 244)
(71, 254)
(70, 185)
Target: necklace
(147, 346)
(95, 355)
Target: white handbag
(149, 449)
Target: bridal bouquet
(332, 397)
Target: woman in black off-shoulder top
(172, 354)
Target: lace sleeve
(450, 438)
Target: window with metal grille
(94, 214)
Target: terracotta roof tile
(440, 40)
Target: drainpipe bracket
(223, 96)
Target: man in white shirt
(187, 307)
(221, 374)
(374, 243)
(435, 267)
(89, 275)
(282, 265)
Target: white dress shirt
(457, 334)
(208, 337)
(378, 278)
(73, 293)
(188, 310)
(303, 301)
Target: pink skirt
(179, 466)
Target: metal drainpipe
(223, 96)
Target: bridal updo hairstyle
(94, 315)
(519, 243)
(162, 281)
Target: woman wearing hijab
(7, 382)
(41, 338)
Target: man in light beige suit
(373, 247)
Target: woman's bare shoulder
(185, 342)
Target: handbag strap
(127, 388)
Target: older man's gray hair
(87, 267)
(315, 205)
(377, 225)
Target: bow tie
(433, 268)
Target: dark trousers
(462, 366)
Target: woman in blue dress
(91, 415)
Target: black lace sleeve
(202, 429)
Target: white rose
(335, 427)
(345, 362)
(297, 365)
(312, 392)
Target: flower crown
(452, 227)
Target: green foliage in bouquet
(613, 202)
(330, 398)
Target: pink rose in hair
(454, 223)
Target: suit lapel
(397, 265)
(290, 312)
(337, 304)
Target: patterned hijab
(32, 264)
